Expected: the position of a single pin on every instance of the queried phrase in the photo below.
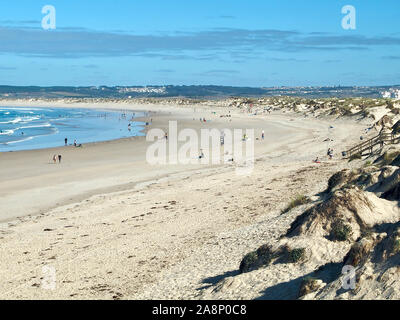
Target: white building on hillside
(391, 94)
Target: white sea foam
(30, 119)
(17, 141)
(16, 120)
(22, 109)
(7, 132)
(21, 120)
(46, 125)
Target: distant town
(392, 93)
(197, 92)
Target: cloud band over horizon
(85, 43)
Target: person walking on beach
(330, 153)
(262, 134)
(201, 156)
(166, 136)
(66, 141)
(59, 158)
(55, 159)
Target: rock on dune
(359, 252)
(386, 172)
(384, 121)
(339, 179)
(351, 207)
(308, 287)
(396, 161)
(393, 193)
(377, 269)
(396, 127)
(363, 178)
(385, 184)
(257, 259)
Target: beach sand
(115, 227)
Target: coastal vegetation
(341, 231)
(297, 201)
(356, 215)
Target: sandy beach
(197, 157)
(115, 227)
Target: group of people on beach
(329, 153)
(57, 157)
(75, 143)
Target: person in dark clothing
(59, 158)
(66, 141)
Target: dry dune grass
(346, 227)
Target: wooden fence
(368, 145)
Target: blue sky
(239, 43)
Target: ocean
(36, 128)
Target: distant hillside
(198, 92)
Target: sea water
(36, 128)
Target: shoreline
(23, 180)
(140, 121)
(114, 180)
(14, 184)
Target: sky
(256, 43)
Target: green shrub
(248, 261)
(355, 156)
(395, 111)
(336, 179)
(298, 201)
(389, 104)
(308, 285)
(396, 246)
(366, 233)
(297, 255)
(346, 111)
(365, 113)
(341, 231)
(389, 157)
(254, 260)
